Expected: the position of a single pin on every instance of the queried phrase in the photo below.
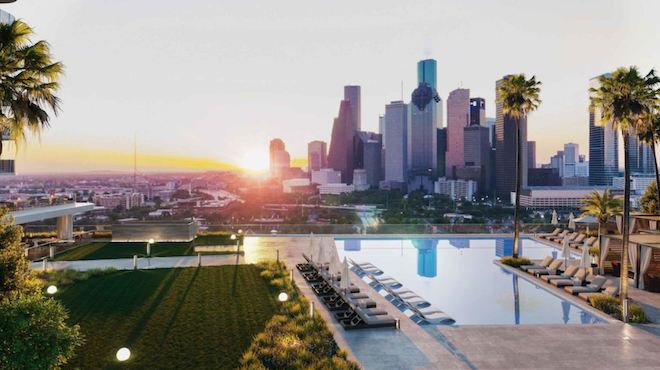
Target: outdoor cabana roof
(645, 216)
(647, 240)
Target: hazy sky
(208, 82)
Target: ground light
(51, 289)
(123, 354)
(149, 243)
(233, 237)
(283, 297)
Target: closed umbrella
(571, 221)
(311, 250)
(335, 263)
(555, 221)
(565, 251)
(345, 278)
(586, 260)
(321, 253)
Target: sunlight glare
(254, 160)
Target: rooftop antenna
(134, 161)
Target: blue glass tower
(427, 72)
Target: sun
(254, 161)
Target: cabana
(641, 252)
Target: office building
(477, 111)
(279, 158)
(381, 127)
(603, 146)
(353, 95)
(641, 156)
(456, 189)
(395, 142)
(326, 176)
(367, 150)
(506, 148)
(360, 182)
(490, 123)
(427, 74)
(442, 151)
(557, 197)
(531, 154)
(544, 177)
(458, 118)
(340, 156)
(557, 162)
(336, 189)
(422, 138)
(477, 157)
(317, 155)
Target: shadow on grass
(170, 324)
(144, 320)
(235, 278)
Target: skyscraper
(279, 158)
(442, 151)
(353, 95)
(531, 154)
(381, 126)
(340, 156)
(317, 155)
(458, 118)
(367, 148)
(603, 146)
(395, 136)
(477, 111)
(427, 72)
(490, 123)
(505, 153)
(641, 156)
(477, 157)
(422, 137)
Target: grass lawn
(215, 240)
(183, 318)
(101, 250)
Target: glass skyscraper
(422, 137)
(427, 72)
(603, 147)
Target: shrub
(612, 306)
(68, 276)
(102, 234)
(291, 339)
(594, 251)
(42, 234)
(515, 262)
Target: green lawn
(184, 318)
(101, 250)
(215, 240)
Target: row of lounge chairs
(403, 298)
(574, 280)
(575, 239)
(354, 309)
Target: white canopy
(345, 277)
(555, 221)
(335, 263)
(571, 221)
(585, 261)
(565, 251)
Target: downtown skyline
(253, 91)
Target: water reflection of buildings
(352, 245)
(504, 247)
(427, 257)
(460, 243)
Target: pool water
(459, 277)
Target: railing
(338, 229)
(21, 205)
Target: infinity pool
(459, 277)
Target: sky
(207, 84)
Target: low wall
(158, 231)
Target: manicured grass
(183, 318)
(212, 239)
(101, 250)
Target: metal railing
(20, 205)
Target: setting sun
(254, 160)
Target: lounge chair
(554, 266)
(595, 286)
(553, 233)
(579, 240)
(559, 236)
(589, 242)
(433, 315)
(367, 270)
(612, 290)
(570, 237)
(362, 321)
(577, 280)
(569, 273)
(385, 281)
(543, 264)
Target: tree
(34, 334)
(625, 99)
(29, 80)
(15, 278)
(519, 97)
(649, 134)
(601, 207)
(648, 202)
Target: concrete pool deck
(573, 346)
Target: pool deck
(573, 346)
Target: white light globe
(51, 289)
(240, 231)
(283, 297)
(123, 354)
(151, 241)
(233, 237)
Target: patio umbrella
(554, 217)
(586, 260)
(565, 251)
(566, 308)
(571, 221)
(311, 250)
(345, 278)
(335, 263)
(321, 253)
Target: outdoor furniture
(576, 280)
(560, 236)
(595, 286)
(362, 321)
(554, 266)
(385, 281)
(578, 241)
(432, 315)
(553, 233)
(544, 264)
(612, 290)
(589, 242)
(654, 283)
(569, 273)
(616, 268)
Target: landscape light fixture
(283, 297)
(233, 236)
(149, 243)
(123, 354)
(51, 289)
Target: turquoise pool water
(459, 277)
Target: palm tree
(649, 134)
(625, 99)
(602, 208)
(29, 80)
(519, 97)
